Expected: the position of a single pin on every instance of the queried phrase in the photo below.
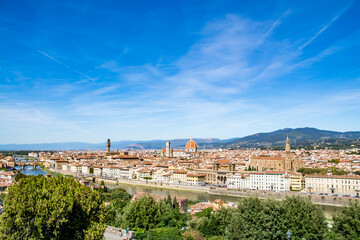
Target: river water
(200, 196)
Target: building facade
(278, 181)
(287, 163)
(333, 184)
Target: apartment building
(195, 179)
(333, 184)
(278, 181)
(179, 177)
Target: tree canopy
(52, 208)
(346, 223)
(256, 218)
(146, 213)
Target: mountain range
(298, 137)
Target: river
(195, 196)
(200, 196)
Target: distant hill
(298, 137)
(151, 144)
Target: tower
(288, 162)
(287, 148)
(108, 145)
(168, 149)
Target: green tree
(175, 205)
(114, 211)
(52, 208)
(256, 219)
(19, 176)
(347, 221)
(336, 161)
(192, 235)
(303, 219)
(164, 233)
(117, 193)
(2, 197)
(91, 170)
(218, 222)
(144, 213)
(168, 200)
(271, 219)
(205, 212)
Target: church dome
(191, 145)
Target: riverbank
(333, 201)
(52, 172)
(152, 185)
(316, 199)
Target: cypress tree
(175, 204)
(168, 201)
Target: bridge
(33, 163)
(15, 162)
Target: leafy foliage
(114, 212)
(164, 233)
(19, 176)
(303, 218)
(263, 219)
(336, 161)
(146, 213)
(212, 224)
(305, 171)
(192, 235)
(347, 221)
(52, 208)
(205, 212)
(322, 171)
(117, 193)
(271, 219)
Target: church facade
(287, 163)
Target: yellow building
(179, 177)
(295, 181)
(195, 179)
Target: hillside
(297, 136)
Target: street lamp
(288, 234)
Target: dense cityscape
(328, 177)
(179, 120)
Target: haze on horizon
(140, 70)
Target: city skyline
(140, 71)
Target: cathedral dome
(191, 145)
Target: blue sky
(89, 70)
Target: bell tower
(108, 145)
(288, 162)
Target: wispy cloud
(327, 25)
(67, 66)
(276, 23)
(227, 80)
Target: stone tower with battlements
(108, 145)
